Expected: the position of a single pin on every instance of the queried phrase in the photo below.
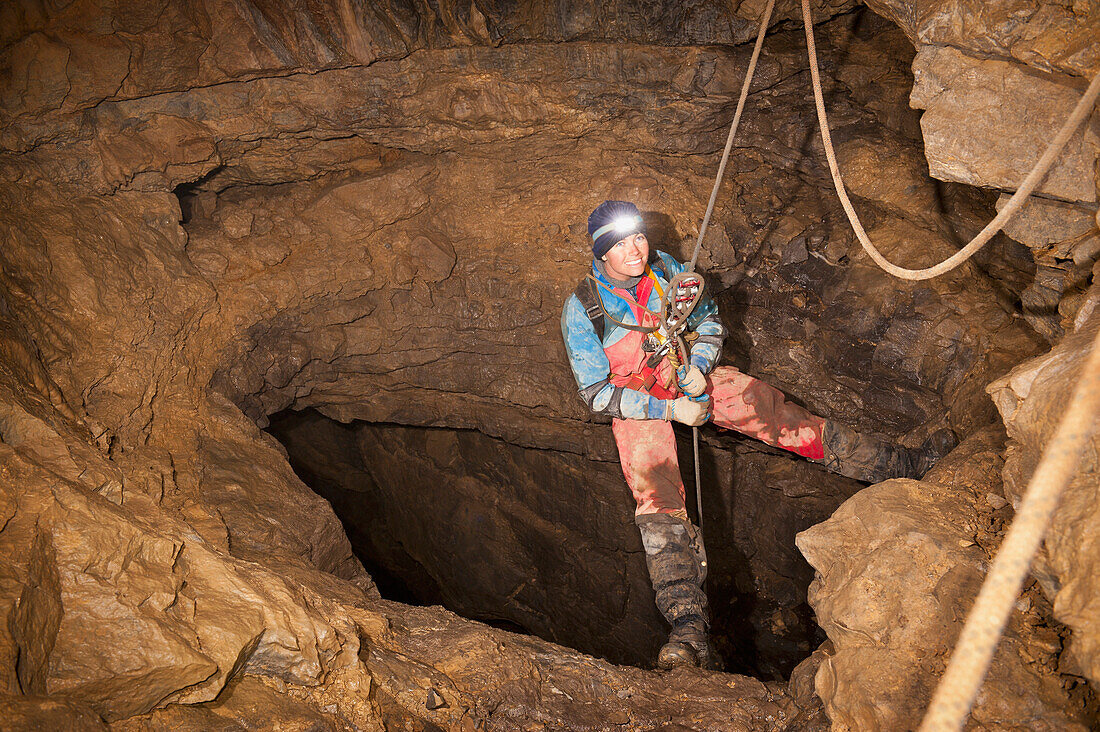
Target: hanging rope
(973, 653)
(765, 18)
(1082, 110)
(957, 690)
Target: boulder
(1032, 399)
(898, 566)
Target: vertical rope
(764, 20)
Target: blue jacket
(590, 363)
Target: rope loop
(1082, 110)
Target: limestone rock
(497, 532)
(47, 713)
(897, 567)
(124, 616)
(1066, 244)
(124, 609)
(986, 123)
(1048, 36)
(214, 211)
(1031, 400)
(997, 80)
(247, 704)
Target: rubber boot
(677, 566)
(869, 459)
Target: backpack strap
(593, 307)
(595, 286)
(656, 264)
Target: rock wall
(539, 539)
(997, 81)
(1030, 399)
(546, 541)
(214, 211)
(898, 566)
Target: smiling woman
(627, 257)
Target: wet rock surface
(213, 212)
(540, 540)
(164, 620)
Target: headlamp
(627, 224)
(623, 226)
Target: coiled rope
(1084, 106)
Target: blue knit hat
(611, 222)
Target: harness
(656, 342)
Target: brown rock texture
(119, 609)
(997, 80)
(215, 211)
(1031, 399)
(898, 566)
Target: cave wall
(993, 77)
(348, 176)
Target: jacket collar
(603, 277)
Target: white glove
(688, 412)
(694, 383)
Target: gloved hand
(689, 412)
(693, 383)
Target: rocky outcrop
(1031, 399)
(996, 81)
(898, 566)
(118, 610)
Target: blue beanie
(611, 222)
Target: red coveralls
(647, 448)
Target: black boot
(677, 566)
(869, 459)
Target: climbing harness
(588, 293)
(656, 342)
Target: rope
(764, 19)
(973, 653)
(1084, 106)
(957, 690)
